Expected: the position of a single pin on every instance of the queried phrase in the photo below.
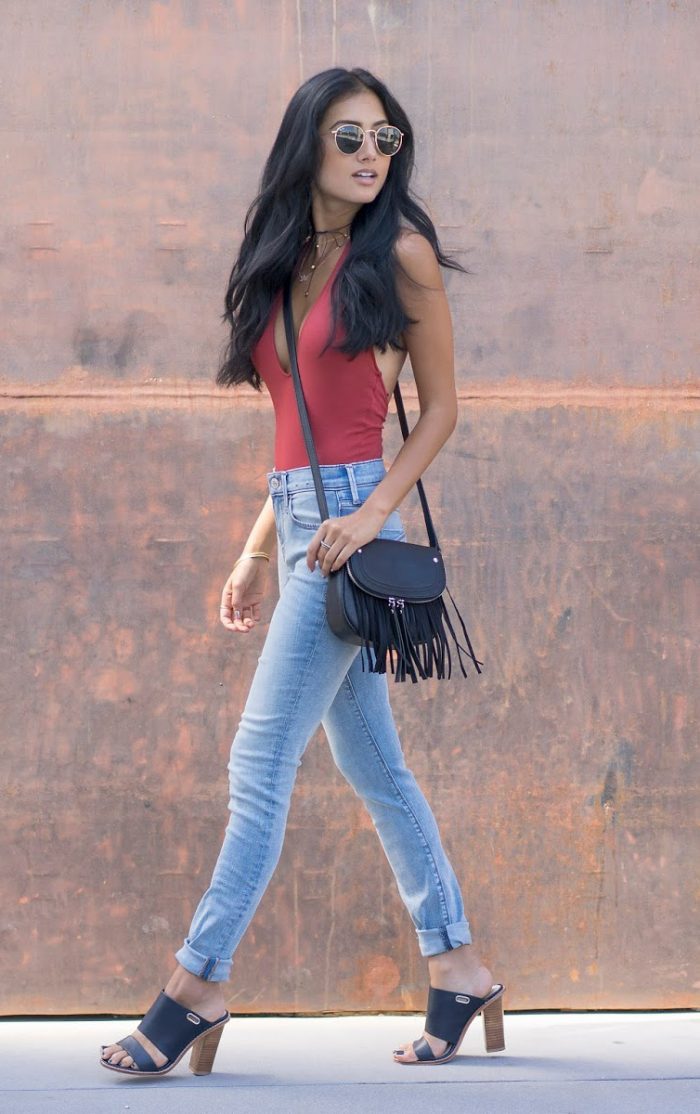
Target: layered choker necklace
(339, 236)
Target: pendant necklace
(308, 276)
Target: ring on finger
(326, 545)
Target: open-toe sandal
(448, 1017)
(173, 1029)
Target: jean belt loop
(353, 483)
(285, 498)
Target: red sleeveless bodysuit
(345, 396)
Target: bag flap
(384, 567)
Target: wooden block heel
(494, 1038)
(448, 1017)
(204, 1052)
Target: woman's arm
(247, 582)
(263, 534)
(431, 348)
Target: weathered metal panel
(564, 778)
(555, 152)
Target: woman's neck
(331, 219)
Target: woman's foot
(205, 998)
(460, 970)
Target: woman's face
(337, 179)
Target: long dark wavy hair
(364, 294)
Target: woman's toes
(122, 1058)
(408, 1053)
(118, 1056)
(115, 1054)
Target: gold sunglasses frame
(365, 133)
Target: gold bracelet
(257, 553)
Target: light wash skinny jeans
(306, 676)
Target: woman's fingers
(332, 555)
(242, 616)
(237, 618)
(328, 559)
(234, 614)
(316, 552)
(225, 608)
(335, 557)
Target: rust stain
(380, 975)
(658, 192)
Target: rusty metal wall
(557, 151)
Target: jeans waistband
(333, 477)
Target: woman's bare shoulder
(417, 257)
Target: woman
(333, 193)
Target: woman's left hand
(344, 535)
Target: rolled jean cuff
(204, 966)
(432, 941)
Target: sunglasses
(350, 137)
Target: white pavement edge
(563, 1063)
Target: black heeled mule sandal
(448, 1017)
(173, 1029)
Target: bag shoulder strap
(306, 425)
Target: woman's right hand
(243, 592)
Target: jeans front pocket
(303, 509)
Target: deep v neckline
(306, 316)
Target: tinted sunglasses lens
(349, 138)
(388, 140)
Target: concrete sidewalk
(553, 1064)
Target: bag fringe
(413, 637)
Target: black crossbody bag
(388, 596)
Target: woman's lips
(367, 180)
